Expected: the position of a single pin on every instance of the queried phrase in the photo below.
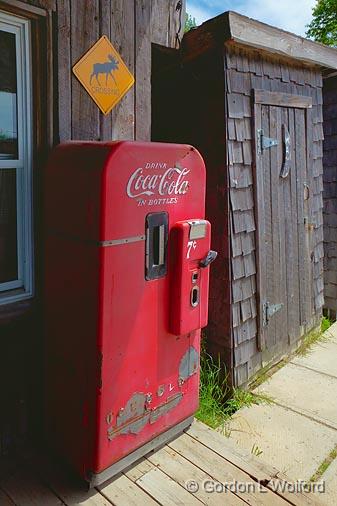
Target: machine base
(154, 444)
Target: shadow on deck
(189, 470)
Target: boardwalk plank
(223, 471)
(25, 489)
(121, 491)
(5, 500)
(182, 471)
(166, 491)
(136, 471)
(243, 460)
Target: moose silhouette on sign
(106, 68)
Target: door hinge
(269, 310)
(264, 142)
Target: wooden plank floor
(200, 454)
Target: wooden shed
(249, 96)
(330, 193)
(41, 104)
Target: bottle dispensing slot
(156, 245)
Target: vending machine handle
(209, 258)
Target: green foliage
(189, 23)
(313, 337)
(256, 450)
(323, 27)
(324, 465)
(217, 401)
(325, 324)
(213, 391)
(243, 398)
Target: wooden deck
(200, 454)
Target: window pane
(8, 97)
(8, 228)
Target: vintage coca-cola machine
(126, 292)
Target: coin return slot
(195, 296)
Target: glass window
(8, 97)
(15, 159)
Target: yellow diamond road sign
(103, 74)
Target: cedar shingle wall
(330, 192)
(244, 71)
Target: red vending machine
(126, 292)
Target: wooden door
(283, 193)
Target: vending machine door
(126, 297)
(191, 258)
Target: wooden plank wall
(131, 26)
(246, 70)
(330, 193)
(194, 114)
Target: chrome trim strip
(126, 240)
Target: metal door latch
(264, 142)
(269, 310)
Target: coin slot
(195, 296)
(194, 277)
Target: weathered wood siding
(213, 111)
(246, 70)
(189, 107)
(131, 26)
(330, 193)
(72, 27)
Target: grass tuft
(218, 402)
(313, 337)
(213, 391)
(324, 465)
(325, 323)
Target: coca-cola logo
(170, 181)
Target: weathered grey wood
(121, 491)
(105, 29)
(274, 276)
(330, 192)
(136, 471)
(309, 204)
(281, 99)
(160, 15)
(176, 22)
(143, 70)
(21, 5)
(180, 470)
(221, 470)
(267, 242)
(240, 458)
(64, 72)
(259, 35)
(122, 38)
(165, 490)
(84, 33)
(302, 247)
(292, 239)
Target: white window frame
(21, 288)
